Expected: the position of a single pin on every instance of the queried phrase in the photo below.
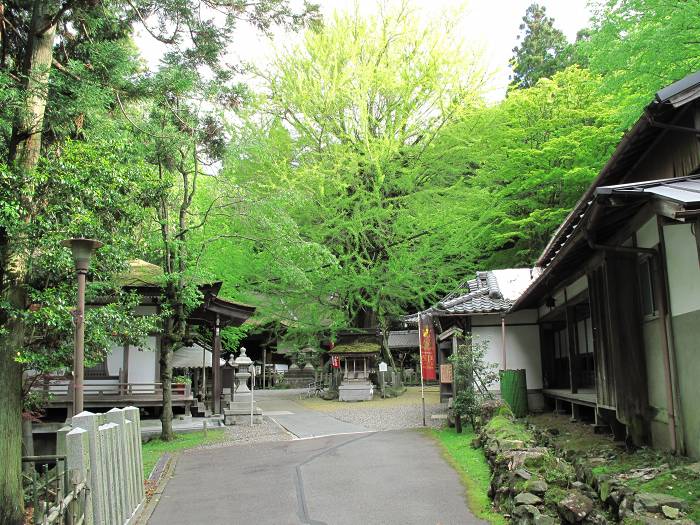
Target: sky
(491, 25)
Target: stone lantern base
(238, 412)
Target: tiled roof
(483, 296)
(489, 292)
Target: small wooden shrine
(357, 360)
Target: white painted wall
(115, 358)
(522, 345)
(142, 363)
(578, 286)
(683, 269)
(648, 234)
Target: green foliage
(351, 111)
(640, 46)
(96, 190)
(473, 375)
(543, 49)
(505, 411)
(532, 156)
(182, 380)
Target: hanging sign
(335, 361)
(428, 351)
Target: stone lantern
(241, 364)
(244, 408)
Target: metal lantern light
(82, 250)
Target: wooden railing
(53, 494)
(60, 386)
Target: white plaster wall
(578, 286)
(521, 316)
(683, 269)
(648, 234)
(522, 349)
(142, 364)
(115, 358)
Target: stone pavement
(395, 477)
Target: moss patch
(681, 483)
(501, 427)
(357, 348)
(474, 470)
(154, 449)
(578, 440)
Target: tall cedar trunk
(25, 147)
(166, 378)
(11, 500)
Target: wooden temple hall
(130, 375)
(617, 291)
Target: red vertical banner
(428, 351)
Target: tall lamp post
(82, 252)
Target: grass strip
(473, 469)
(154, 449)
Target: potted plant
(180, 382)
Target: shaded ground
(645, 470)
(387, 477)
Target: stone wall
(535, 484)
(297, 377)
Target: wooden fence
(54, 494)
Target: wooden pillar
(263, 367)
(573, 350)
(503, 342)
(125, 368)
(216, 368)
(204, 375)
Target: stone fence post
(78, 458)
(106, 450)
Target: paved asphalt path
(305, 423)
(396, 477)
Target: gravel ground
(258, 433)
(392, 417)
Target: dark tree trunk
(25, 147)
(11, 499)
(166, 378)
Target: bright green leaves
(640, 46)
